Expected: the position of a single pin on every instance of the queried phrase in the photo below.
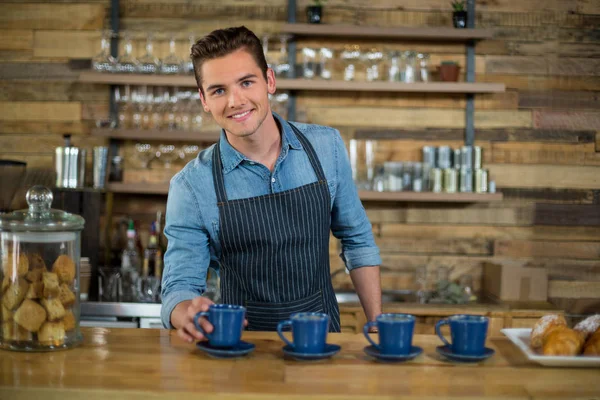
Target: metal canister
(481, 180)
(82, 160)
(491, 186)
(435, 180)
(443, 157)
(477, 157)
(457, 159)
(467, 157)
(450, 175)
(466, 180)
(429, 155)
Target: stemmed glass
(171, 64)
(158, 107)
(188, 151)
(372, 60)
(350, 56)
(171, 108)
(282, 69)
(127, 63)
(308, 62)
(145, 153)
(149, 64)
(325, 58)
(271, 63)
(196, 110)
(167, 154)
(188, 64)
(137, 107)
(103, 61)
(123, 98)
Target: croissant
(563, 342)
(592, 346)
(544, 326)
(589, 325)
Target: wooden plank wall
(541, 138)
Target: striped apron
(275, 250)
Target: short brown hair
(222, 42)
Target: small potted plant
(459, 16)
(449, 71)
(314, 12)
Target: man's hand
(182, 318)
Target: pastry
(15, 293)
(64, 267)
(51, 288)
(54, 308)
(35, 291)
(66, 296)
(30, 315)
(7, 315)
(592, 346)
(544, 326)
(12, 331)
(15, 266)
(563, 342)
(69, 320)
(52, 333)
(589, 325)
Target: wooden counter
(147, 364)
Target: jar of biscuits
(39, 270)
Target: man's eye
(246, 83)
(218, 92)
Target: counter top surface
(154, 364)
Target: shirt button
(273, 180)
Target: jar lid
(40, 217)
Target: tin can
(457, 159)
(435, 180)
(467, 157)
(443, 157)
(450, 180)
(466, 180)
(429, 155)
(481, 180)
(491, 186)
(477, 157)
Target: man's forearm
(367, 283)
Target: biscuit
(66, 296)
(15, 293)
(12, 331)
(30, 315)
(64, 267)
(54, 308)
(51, 288)
(15, 267)
(35, 275)
(35, 291)
(7, 315)
(6, 282)
(69, 320)
(36, 262)
(52, 333)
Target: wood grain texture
(523, 248)
(66, 44)
(559, 99)
(566, 120)
(534, 82)
(35, 90)
(40, 111)
(37, 71)
(538, 153)
(567, 214)
(545, 176)
(52, 16)
(16, 39)
(43, 143)
(475, 246)
(43, 127)
(574, 289)
(557, 196)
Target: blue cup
(227, 321)
(309, 332)
(468, 333)
(395, 333)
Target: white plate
(520, 337)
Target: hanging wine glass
(350, 56)
(271, 63)
(188, 152)
(136, 108)
(167, 153)
(103, 61)
(282, 69)
(171, 64)
(145, 153)
(196, 110)
(157, 108)
(123, 99)
(189, 65)
(127, 63)
(148, 63)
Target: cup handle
(280, 327)
(197, 323)
(438, 331)
(366, 328)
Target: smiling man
(259, 205)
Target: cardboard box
(515, 282)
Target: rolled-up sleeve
(187, 257)
(349, 221)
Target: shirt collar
(232, 158)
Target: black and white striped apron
(275, 249)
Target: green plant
(458, 5)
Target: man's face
(236, 93)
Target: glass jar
(39, 264)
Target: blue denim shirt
(192, 217)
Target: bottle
(130, 258)
(152, 256)
(162, 239)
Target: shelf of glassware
(204, 136)
(163, 188)
(301, 84)
(374, 32)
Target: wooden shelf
(163, 188)
(373, 32)
(302, 84)
(153, 134)
(419, 87)
(140, 188)
(429, 197)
